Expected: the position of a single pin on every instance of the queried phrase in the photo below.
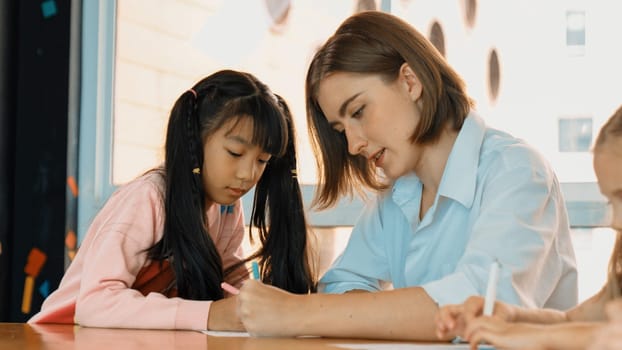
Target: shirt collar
(405, 189)
(460, 175)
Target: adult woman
(453, 195)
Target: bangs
(269, 125)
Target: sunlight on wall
(163, 50)
(544, 76)
(593, 249)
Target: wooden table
(20, 336)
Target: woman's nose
(356, 141)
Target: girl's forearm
(545, 316)
(589, 310)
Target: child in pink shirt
(156, 254)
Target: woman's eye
(234, 154)
(263, 161)
(358, 112)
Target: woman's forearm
(398, 314)
(223, 316)
(569, 336)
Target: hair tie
(193, 92)
(294, 173)
(196, 171)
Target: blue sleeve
(519, 219)
(363, 263)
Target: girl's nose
(246, 170)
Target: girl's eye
(234, 154)
(264, 161)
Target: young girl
(512, 327)
(156, 254)
(454, 195)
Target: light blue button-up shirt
(498, 199)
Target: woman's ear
(411, 81)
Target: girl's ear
(411, 81)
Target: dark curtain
(35, 110)
(8, 14)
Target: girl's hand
(610, 337)
(268, 311)
(505, 335)
(614, 310)
(451, 320)
(223, 315)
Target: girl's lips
(236, 191)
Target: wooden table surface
(20, 336)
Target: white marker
(491, 289)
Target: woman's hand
(451, 320)
(223, 315)
(268, 311)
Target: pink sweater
(96, 289)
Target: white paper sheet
(226, 334)
(398, 346)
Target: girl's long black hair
(283, 242)
(277, 208)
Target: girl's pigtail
(192, 253)
(284, 257)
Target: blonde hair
(614, 273)
(612, 130)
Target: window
(575, 134)
(494, 75)
(575, 32)
(138, 57)
(145, 56)
(469, 9)
(437, 37)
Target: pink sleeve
(129, 223)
